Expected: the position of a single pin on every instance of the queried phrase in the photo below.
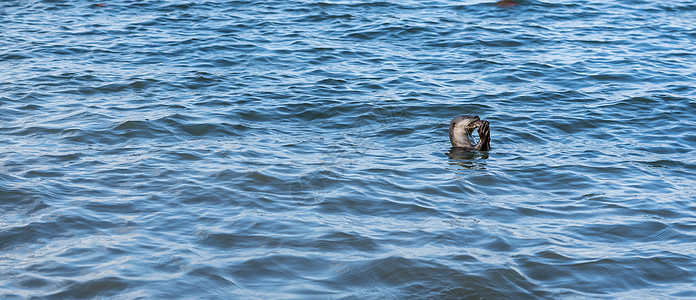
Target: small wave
(102, 287)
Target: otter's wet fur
(461, 129)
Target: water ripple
(289, 149)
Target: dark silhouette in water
(506, 3)
(461, 128)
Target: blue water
(299, 149)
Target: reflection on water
(467, 159)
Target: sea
(298, 149)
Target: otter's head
(461, 129)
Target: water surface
(299, 149)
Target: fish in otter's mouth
(461, 133)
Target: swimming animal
(506, 3)
(461, 128)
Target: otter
(461, 128)
(506, 3)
